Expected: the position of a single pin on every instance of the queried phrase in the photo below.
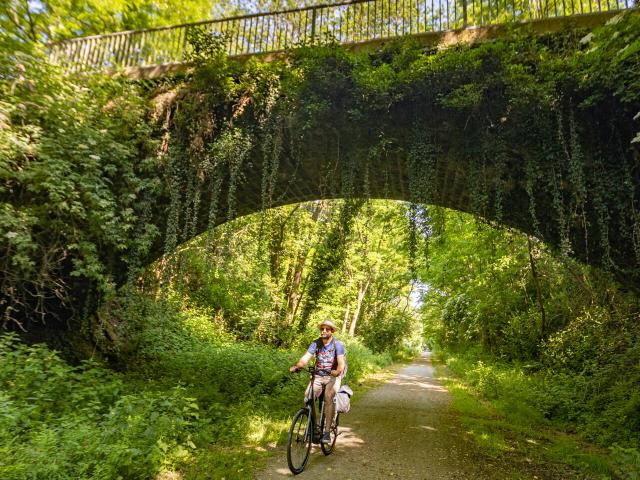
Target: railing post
(184, 42)
(313, 26)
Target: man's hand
(293, 369)
(335, 373)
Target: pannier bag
(343, 399)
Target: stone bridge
(565, 174)
(495, 188)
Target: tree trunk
(408, 300)
(292, 297)
(362, 290)
(536, 284)
(346, 317)
(276, 249)
(293, 283)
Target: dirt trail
(403, 429)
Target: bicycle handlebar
(311, 369)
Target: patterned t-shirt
(324, 358)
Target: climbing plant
(536, 132)
(490, 125)
(78, 178)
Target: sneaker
(326, 437)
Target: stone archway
(490, 130)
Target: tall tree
(52, 20)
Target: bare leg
(329, 410)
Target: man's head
(327, 328)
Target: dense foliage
(540, 333)
(76, 160)
(193, 399)
(263, 297)
(187, 162)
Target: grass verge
(527, 445)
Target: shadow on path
(403, 429)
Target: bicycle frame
(315, 425)
(303, 433)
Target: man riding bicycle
(330, 365)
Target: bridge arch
(484, 130)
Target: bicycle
(306, 428)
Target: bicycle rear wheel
(299, 442)
(327, 448)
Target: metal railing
(349, 22)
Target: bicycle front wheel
(299, 442)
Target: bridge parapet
(357, 21)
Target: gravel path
(403, 429)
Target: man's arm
(338, 371)
(303, 361)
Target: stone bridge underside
(566, 175)
(377, 158)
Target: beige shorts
(332, 385)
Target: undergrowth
(194, 401)
(508, 412)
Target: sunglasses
(328, 329)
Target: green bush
(627, 462)
(64, 422)
(77, 177)
(603, 405)
(362, 361)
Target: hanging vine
(575, 166)
(500, 162)
(491, 119)
(531, 178)
(421, 161)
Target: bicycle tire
(299, 442)
(327, 448)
